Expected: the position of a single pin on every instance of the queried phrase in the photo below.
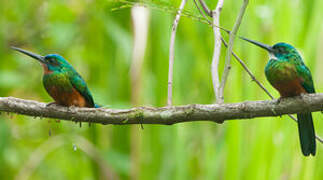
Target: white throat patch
(272, 56)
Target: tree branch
(206, 8)
(216, 51)
(172, 54)
(227, 65)
(166, 115)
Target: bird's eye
(281, 50)
(53, 61)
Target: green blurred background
(98, 42)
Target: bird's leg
(277, 103)
(53, 104)
(71, 109)
(302, 95)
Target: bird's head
(283, 49)
(279, 50)
(50, 62)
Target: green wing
(79, 84)
(306, 75)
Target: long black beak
(264, 46)
(35, 56)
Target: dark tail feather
(306, 133)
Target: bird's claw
(279, 100)
(71, 109)
(51, 104)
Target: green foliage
(96, 38)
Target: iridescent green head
(55, 62)
(52, 62)
(279, 50)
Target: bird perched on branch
(287, 73)
(62, 82)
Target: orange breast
(291, 88)
(73, 98)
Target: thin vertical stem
(206, 8)
(227, 65)
(217, 49)
(172, 54)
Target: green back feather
(79, 84)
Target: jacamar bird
(287, 73)
(62, 82)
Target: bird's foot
(278, 101)
(51, 104)
(71, 108)
(302, 96)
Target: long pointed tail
(306, 133)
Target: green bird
(62, 82)
(287, 73)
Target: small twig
(206, 8)
(248, 71)
(227, 65)
(201, 12)
(216, 51)
(172, 53)
(217, 44)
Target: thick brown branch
(166, 115)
